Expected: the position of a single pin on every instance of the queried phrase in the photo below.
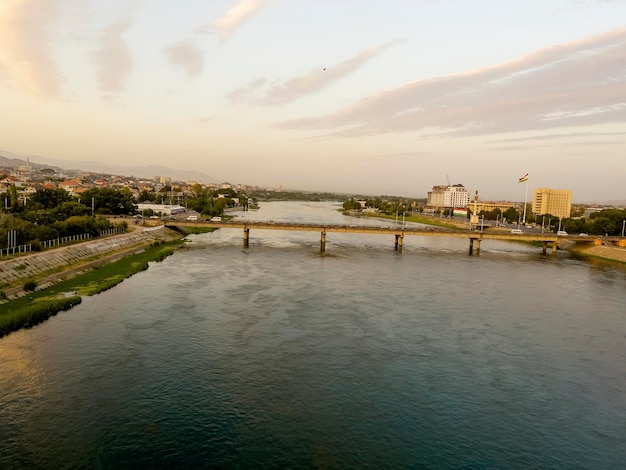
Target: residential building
(449, 196)
(556, 202)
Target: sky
(355, 96)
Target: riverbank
(46, 268)
(607, 253)
(41, 304)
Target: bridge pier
(544, 247)
(554, 247)
(471, 246)
(246, 237)
(323, 242)
(399, 240)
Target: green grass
(37, 306)
(34, 313)
(416, 218)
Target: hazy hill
(8, 159)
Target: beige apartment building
(557, 202)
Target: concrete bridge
(399, 232)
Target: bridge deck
(407, 230)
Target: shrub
(30, 285)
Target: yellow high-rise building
(557, 202)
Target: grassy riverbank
(40, 305)
(421, 219)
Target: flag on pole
(523, 178)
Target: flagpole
(525, 202)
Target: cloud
(237, 15)
(573, 84)
(113, 58)
(245, 92)
(26, 46)
(186, 55)
(308, 84)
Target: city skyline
(364, 97)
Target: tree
(511, 215)
(351, 204)
(109, 201)
(145, 195)
(50, 198)
(69, 209)
(14, 198)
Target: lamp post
(623, 226)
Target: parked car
(561, 233)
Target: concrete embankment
(51, 266)
(612, 253)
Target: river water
(277, 357)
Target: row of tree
(53, 213)
(49, 214)
(606, 222)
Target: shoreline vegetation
(39, 305)
(421, 219)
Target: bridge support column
(554, 246)
(246, 237)
(545, 247)
(471, 249)
(399, 240)
(323, 243)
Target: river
(276, 357)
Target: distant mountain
(148, 171)
(616, 203)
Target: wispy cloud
(113, 58)
(26, 53)
(237, 15)
(313, 82)
(244, 93)
(186, 55)
(572, 84)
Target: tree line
(48, 214)
(605, 222)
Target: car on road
(561, 233)
(516, 230)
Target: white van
(516, 230)
(561, 233)
(216, 219)
(192, 217)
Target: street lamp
(623, 225)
